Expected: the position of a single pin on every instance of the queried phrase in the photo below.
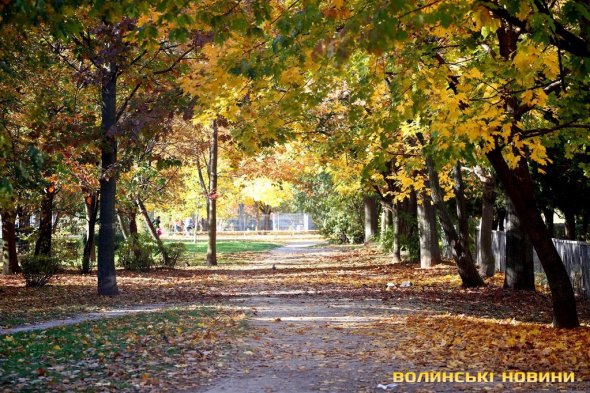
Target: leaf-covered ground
(325, 319)
(153, 351)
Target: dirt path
(305, 343)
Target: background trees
(403, 100)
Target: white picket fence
(575, 256)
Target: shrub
(386, 239)
(67, 251)
(38, 269)
(175, 252)
(136, 254)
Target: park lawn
(157, 350)
(229, 251)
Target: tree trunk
(397, 222)
(107, 278)
(429, 249)
(43, 244)
(461, 205)
(24, 230)
(570, 225)
(371, 218)
(9, 255)
(132, 218)
(212, 241)
(386, 219)
(548, 214)
(257, 216)
(123, 226)
(485, 254)
(56, 221)
(585, 221)
(266, 210)
(519, 187)
(152, 230)
(459, 249)
(91, 205)
(520, 271)
(501, 219)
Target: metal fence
(273, 222)
(575, 256)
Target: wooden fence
(575, 256)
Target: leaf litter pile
(425, 321)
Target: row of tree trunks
(520, 189)
(9, 255)
(460, 249)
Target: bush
(386, 239)
(38, 269)
(136, 254)
(67, 251)
(175, 252)
(338, 216)
(343, 225)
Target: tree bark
(122, 226)
(56, 221)
(386, 219)
(519, 187)
(212, 241)
(429, 248)
(24, 230)
(107, 278)
(91, 205)
(548, 214)
(371, 218)
(9, 255)
(132, 218)
(520, 271)
(152, 230)
(570, 225)
(266, 211)
(43, 244)
(461, 205)
(459, 249)
(397, 250)
(485, 254)
(501, 219)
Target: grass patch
(148, 349)
(231, 246)
(229, 251)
